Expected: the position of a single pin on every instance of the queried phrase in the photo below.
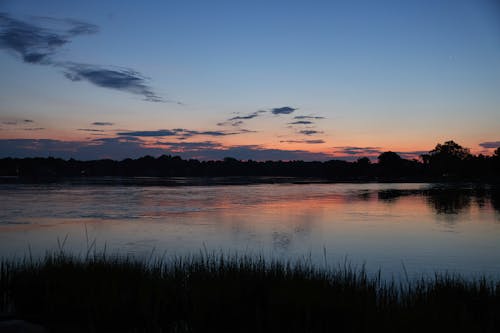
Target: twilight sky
(261, 80)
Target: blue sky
(369, 75)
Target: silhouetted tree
(390, 165)
(450, 149)
(363, 161)
(389, 158)
(447, 159)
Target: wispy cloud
(301, 122)
(156, 133)
(18, 122)
(90, 130)
(283, 110)
(248, 116)
(33, 129)
(351, 150)
(36, 44)
(312, 142)
(490, 144)
(189, 146)
(412, 154)
(124, 79)
(308, 117)
(102, 123)
(237, 121)
(310, 132)
(231, 123)
(182, 132)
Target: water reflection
(447, 201)
(380, 224)
(495, 200)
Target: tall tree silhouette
(447, 159)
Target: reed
(219, 293)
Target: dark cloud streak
(319, 141)
(350, 150)
(301, 122)
(124, 79)
(490, 144)
(37, 45)
(90, 130)
(309, 132)
(283, 110)
(182, 132)
(308, 117)
(248, 116)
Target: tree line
(447, 161)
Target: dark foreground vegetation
(447, 161)
(238, 294)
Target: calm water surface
(427, 228)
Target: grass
(217, 293)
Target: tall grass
(218, 293)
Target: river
(414, 227)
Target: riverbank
(217, 293)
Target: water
(425, 228)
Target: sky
(261, 80)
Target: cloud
(301, 122)
(309, 132)
(114, 148)
(258, 153)
(234, 123)
(151, 133)
(248, 116)
(33, 147)
(490, 144)
(102, 123)
(33, 129)
(350, 150)
(210, 133)
(283, 110)
(182, 132)
(124, 79)
(90, 130)
(308, 117)
(119, 139)
(37, 45)
(119, 148)
(304, 141)
(237, 121)
(189, 146)
(17, 122)
(411, 154)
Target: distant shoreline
(229, 180)
(222, 181)
(449, 165)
